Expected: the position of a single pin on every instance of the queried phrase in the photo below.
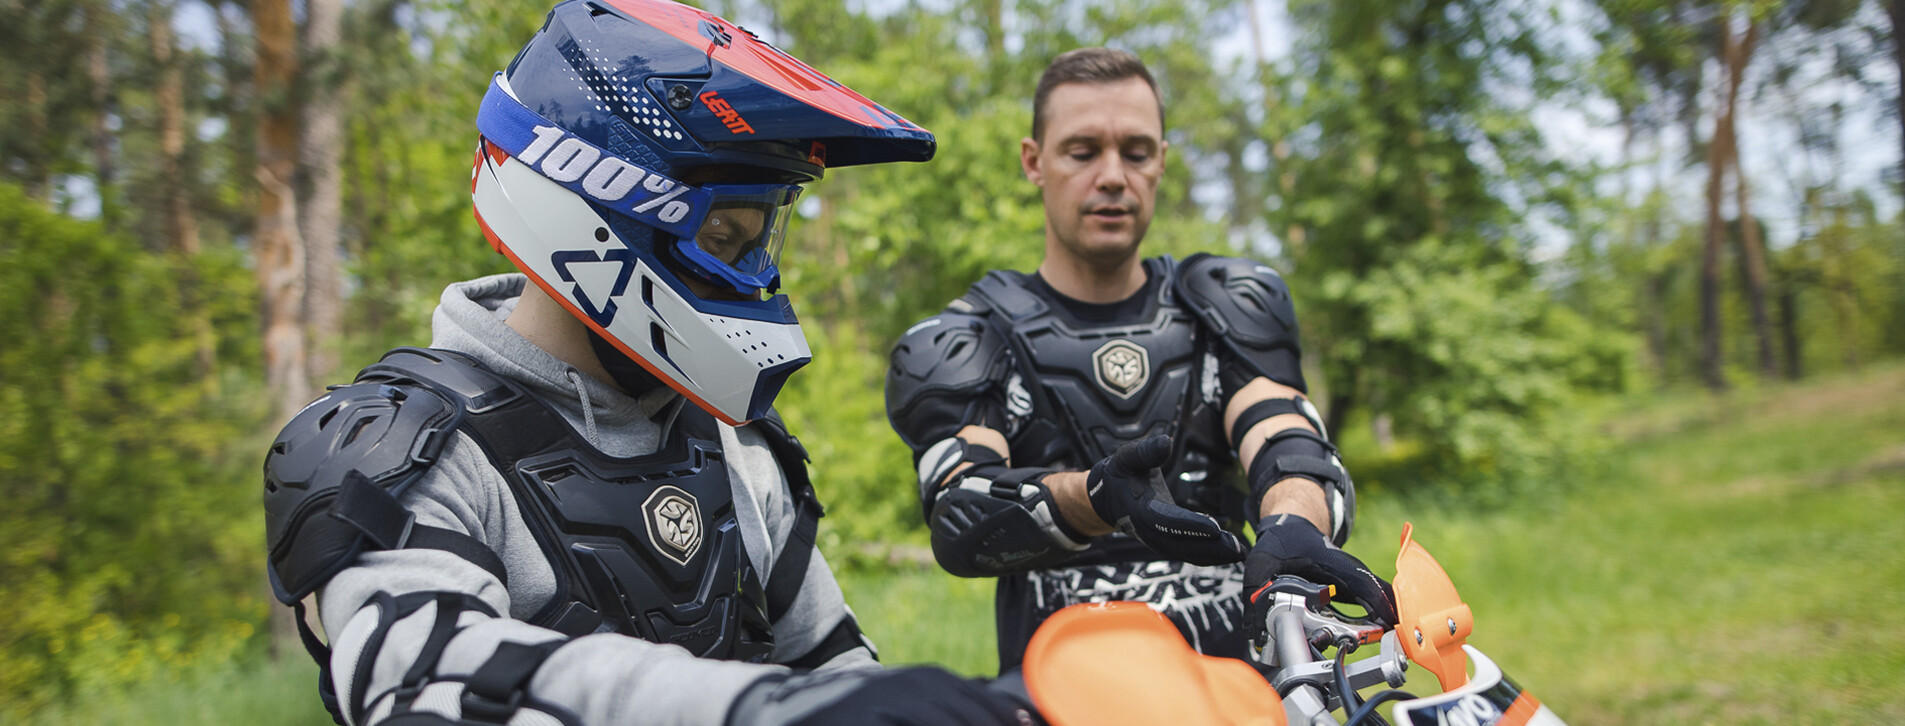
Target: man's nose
(1111, 174)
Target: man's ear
(1028, 161)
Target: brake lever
(1300, 623)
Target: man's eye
(1137, 157)
(1083, 154)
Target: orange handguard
(1123, 663)
(1435, 621)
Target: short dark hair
(1089, 65)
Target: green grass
(926, 616)
(1740, 564)
(1744, 568)
(282, 694)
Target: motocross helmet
(639, 161)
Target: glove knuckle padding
(937, 372)
(1247, 306)
(976, 533)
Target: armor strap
(327, 691)
(790, 567)
(497, 688)
(843, 638)
(1257, 413)
(374, 511)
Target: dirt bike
(1107, 664)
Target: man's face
(1097, 168)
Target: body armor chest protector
(1080, 389)
(646, 546)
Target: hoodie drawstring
(588, 410)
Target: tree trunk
(320, 143)
(38, 179)
(99, 77)
(275, 244)
(1896, 10)
(1719, 156)
(1712, 367)
(1753, 250)
(1789, 327)
(1653, 303)
(280, 263)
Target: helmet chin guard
(588, 140)
(729, 357)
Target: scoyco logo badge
(1122, 367)
(674, 523)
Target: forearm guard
(1304, 454)
(990, 520)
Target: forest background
(1492, 214)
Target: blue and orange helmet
(639, 162)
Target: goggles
(725, 234)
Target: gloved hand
(1291, 545)
(900, 697)
(1127, 491)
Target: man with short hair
(1077, 430)
(577, 506)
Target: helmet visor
(738, 242)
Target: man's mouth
(1109, 212)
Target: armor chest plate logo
(1121, 367)
(674, 523)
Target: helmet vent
(657, 340)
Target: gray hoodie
(604, 678)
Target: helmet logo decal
(724, 111)
(1122, 367)
(609, 179)
(598, 279)
(674, 523)
(650, 198)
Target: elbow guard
(1304, 454)
(990, 520)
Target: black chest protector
(1080, 388)
(647, 546)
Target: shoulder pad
(446, 371)
(386, 434)
(1003, 291)
(951, 354)
(1247, 306)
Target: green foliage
(1405, 192)
(105, 423)
(862, 472)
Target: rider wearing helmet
(577, 506)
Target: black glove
(900, 697)
(1127, 491)
(1291, 545)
